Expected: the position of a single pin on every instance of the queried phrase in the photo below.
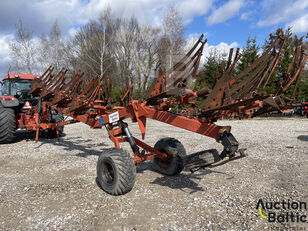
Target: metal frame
(87, 100)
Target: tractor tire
(7, 125)
(175, 164)
(116, 171)
(56, 116)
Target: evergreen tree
(281, 68)
(249, 54)
(210, 72)
(302, 88)
(285, 65)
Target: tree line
(120, 49)
(126, 51)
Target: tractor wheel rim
(166, 162)
(107, 173)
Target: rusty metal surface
(75, 94)
(180, 72)
(87, 99)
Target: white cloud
(4, 53)
(300, 24)
(282, 11)
(222, 48)
(72, 31)
(39, 15)
(149, 11)
(192, 8)
(225, 12)
(4, 44)
(246, 15)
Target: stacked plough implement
(88, 100)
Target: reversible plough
(88, 100)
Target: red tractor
(19, 110)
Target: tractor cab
(17, 86)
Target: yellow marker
(260, 211)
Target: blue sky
(225, 23)
(254, 18)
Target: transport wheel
(174, 165)
(116, 171)
(56, 116)
(7, 125)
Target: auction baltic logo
(283, 211)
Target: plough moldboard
(88, 100)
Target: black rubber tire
(56, 116)
(116, 171)
(7, 125)
(170, 146)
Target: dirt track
(51, 185)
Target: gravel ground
(51, 185)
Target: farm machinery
(17, 108)
(88, 100)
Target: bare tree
(92, 44)
(43, 53)
(23, 49)
(56, 46)
(173, 35)
(70, 56)
(125, 48)
(51, 50)
(145, 55)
